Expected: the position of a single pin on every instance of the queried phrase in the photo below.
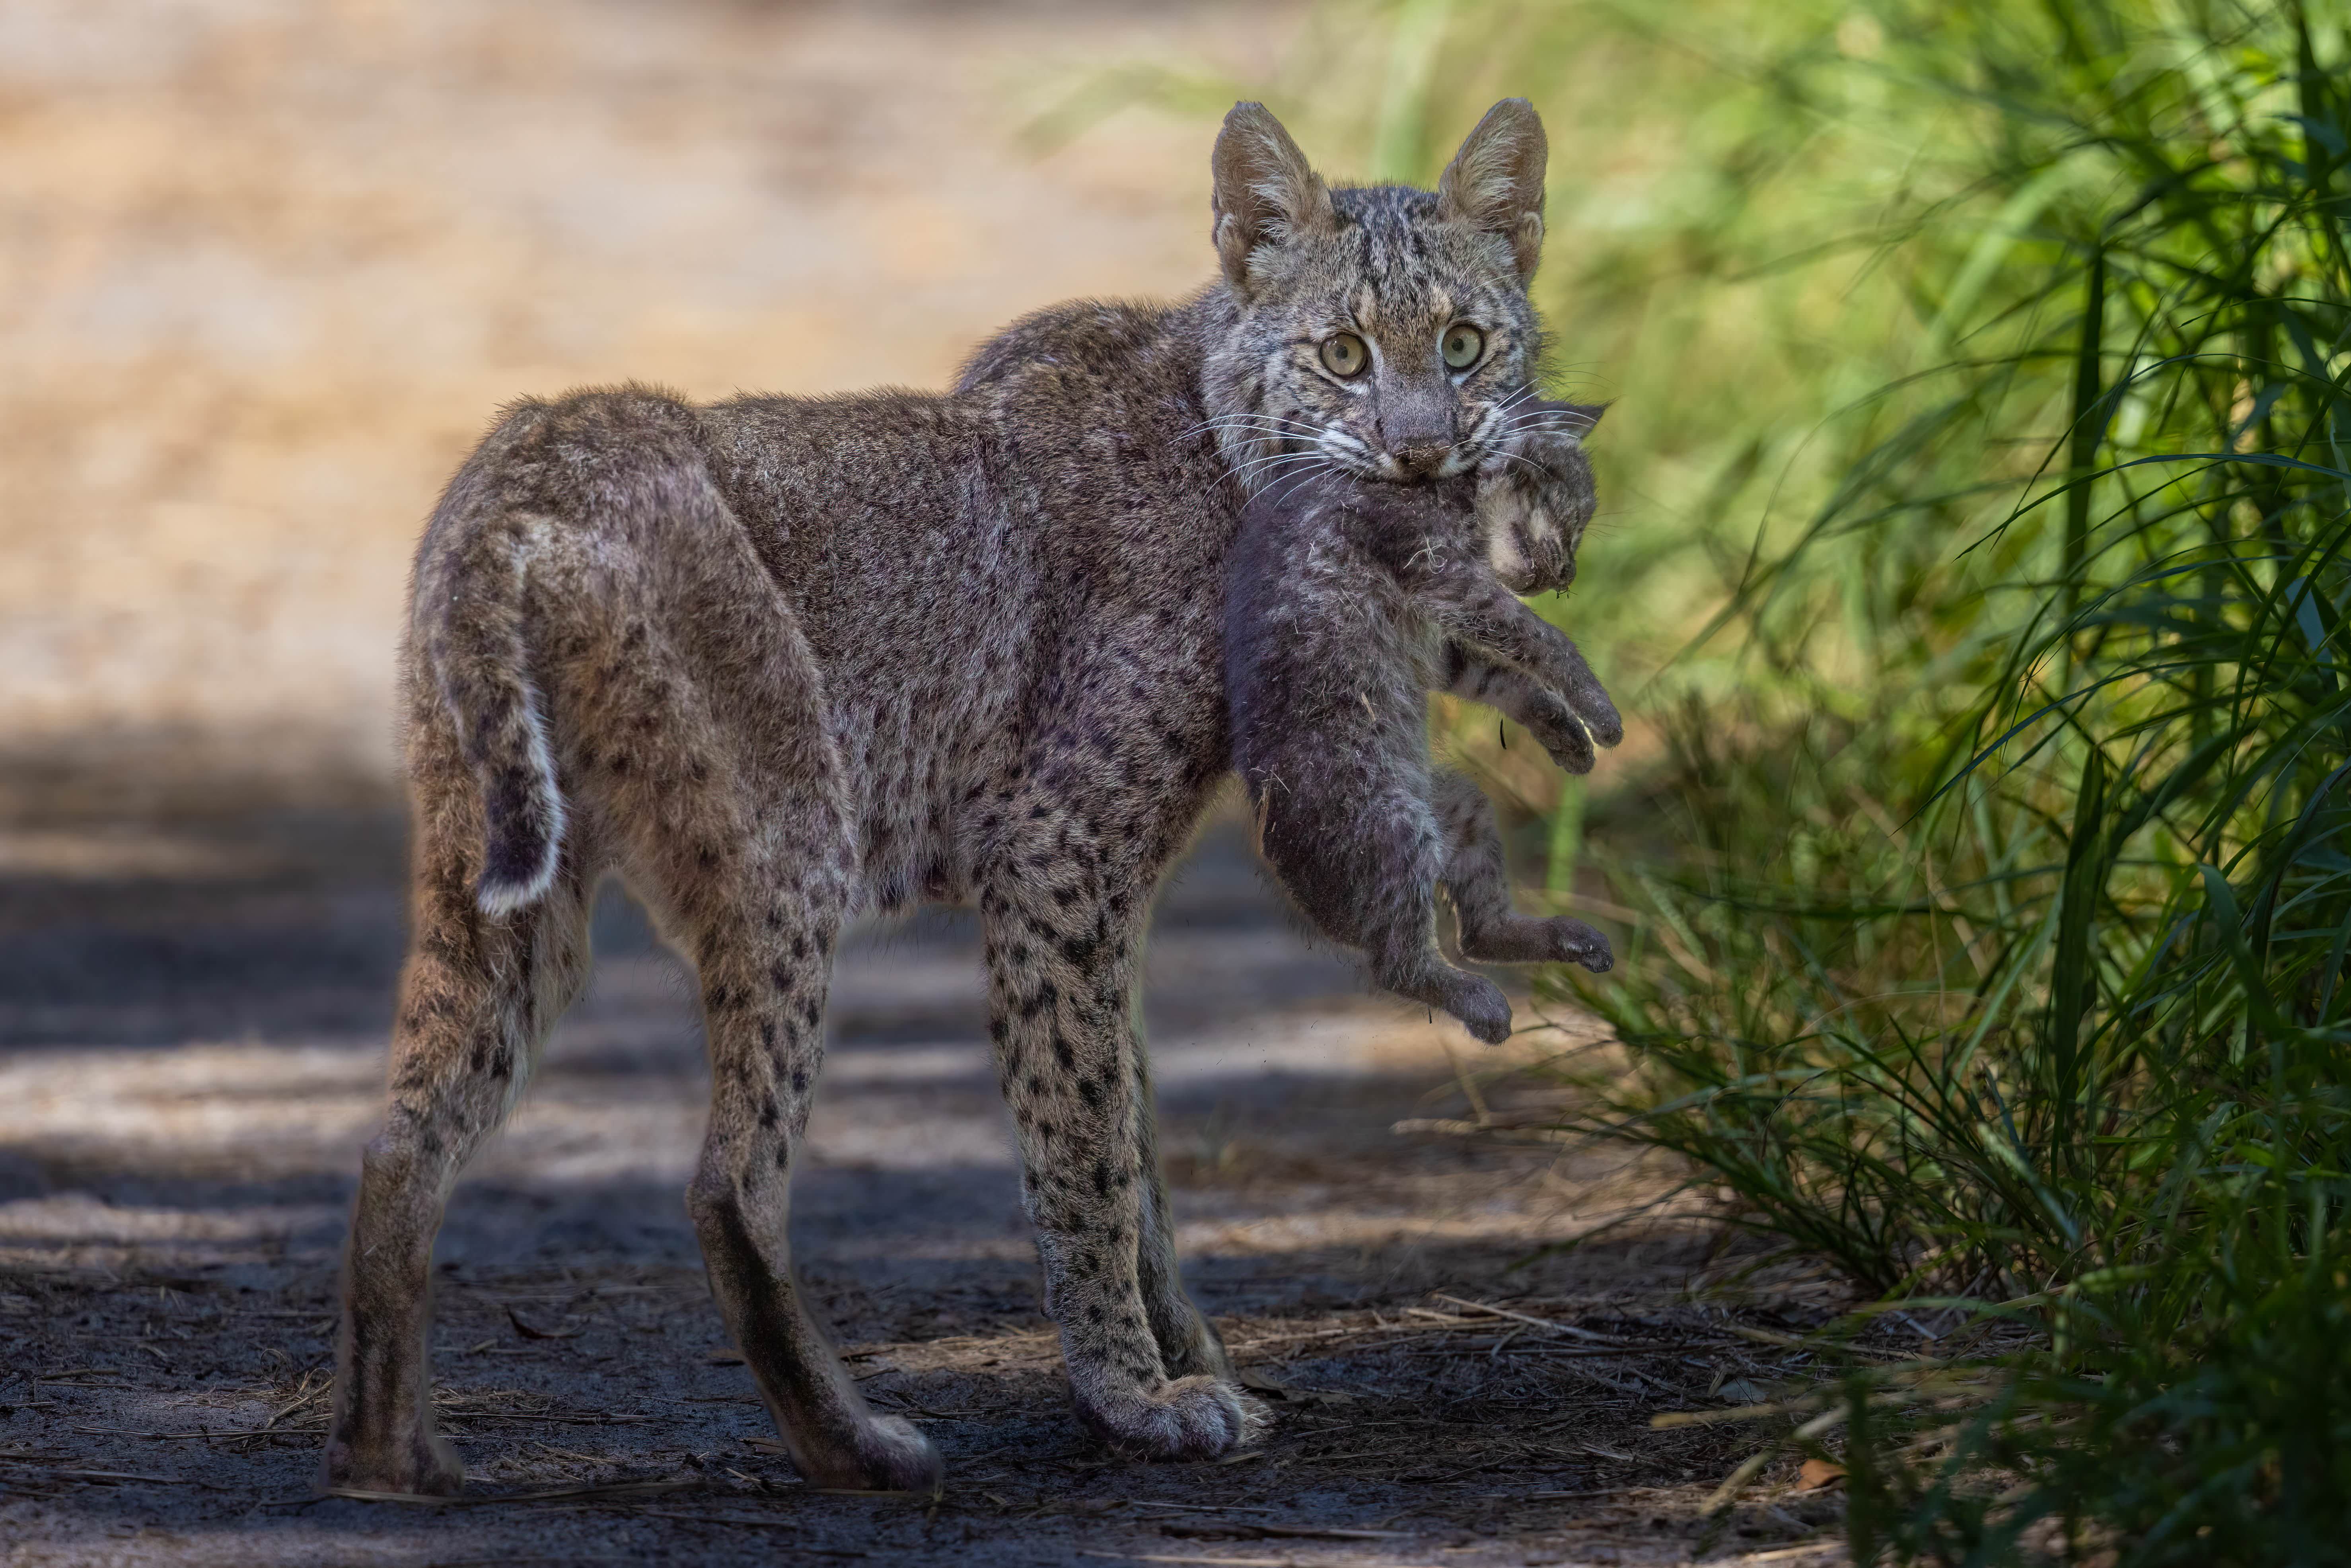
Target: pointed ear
(1265, 191)
(1496, 182)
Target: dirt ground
(190, 1056)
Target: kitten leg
(1479, 881)
(1513, 694)
(1421, 975)
(1363, 864)
(476, 1000)
(1473, 608)
(1061, 973)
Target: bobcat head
(1384, 331)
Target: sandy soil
(191, 1057)
(267, 267)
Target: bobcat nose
(1417, 427)
(1421, 456)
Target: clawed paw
(1573, 942)
(1186, 1418)
(417, 1465)
(888, 1454)
(1483, 1008)
(1562, 735)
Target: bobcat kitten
(1346, 602)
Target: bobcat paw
(887, 1454)
(1188, 1418)
(412, 1464)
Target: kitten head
(1381, 331)
(1535, 496)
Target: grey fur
(794, 659)
(1346, 602)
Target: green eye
(1463, 344)
(1343, 354)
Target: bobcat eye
(1462, 345)
(1343, 354)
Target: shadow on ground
(191, 1034)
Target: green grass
(2010, 972)
(1981, 559)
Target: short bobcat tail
(481, 659)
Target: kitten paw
(1483, 1008)
(1573, 942)
(1560, 735)
(1599, 716)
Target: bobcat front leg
(1060, 949)
(1510, 691)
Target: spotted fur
(776, 662)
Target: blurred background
(269, 268)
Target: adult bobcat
(775, 661)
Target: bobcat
(1340, 598)
(777, 661)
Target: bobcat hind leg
(477, 1000)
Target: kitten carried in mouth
(1347, 601)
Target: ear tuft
(1496, 182)
(1264, 191)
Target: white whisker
(1248, 422)
(1276, 462)
(1308, 478)
(1527, 463)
